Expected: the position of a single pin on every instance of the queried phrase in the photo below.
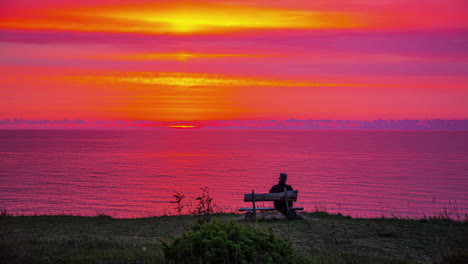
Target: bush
(220, 242)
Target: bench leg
(249, 216)
(292, 214)
(253, 204)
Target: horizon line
(288, 124)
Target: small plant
(4, 213)
(204, 206)
(179, 206)
(320, 207)
(178, 201)
(221, 242)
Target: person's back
(281, 187)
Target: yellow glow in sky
(182, 79)
(186, 18)
(182, 18)
(185, 56)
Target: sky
(169, 61)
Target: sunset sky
(233, 60)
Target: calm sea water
(134, 173)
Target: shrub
(220, 242)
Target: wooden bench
(286, 196)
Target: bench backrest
(290, 195)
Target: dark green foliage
(220, 242)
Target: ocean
(135, 173)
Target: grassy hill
(318, 237)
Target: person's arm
(271, 190)
(274, 189)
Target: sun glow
(181, 18)
(182, 126)
(181, 79)
(215, 18)
(184, 56)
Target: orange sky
(233, 60)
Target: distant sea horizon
(135, 173)
(289, 124)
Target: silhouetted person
(280, 187)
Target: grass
(320, 237)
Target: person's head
(283, 177)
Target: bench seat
(267, 209)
